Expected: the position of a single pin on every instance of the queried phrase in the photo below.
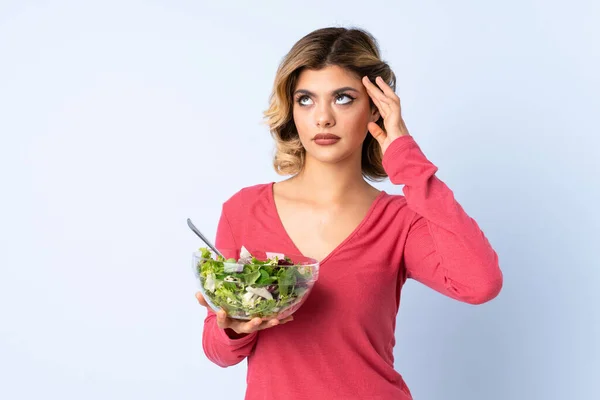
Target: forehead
(327, 79)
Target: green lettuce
(261, 288)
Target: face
(331, 112)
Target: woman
(336, 120)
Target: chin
(330, 154)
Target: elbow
(220, 361)
(486, 291)
(225, 354)
(212, 353)
(489, 285)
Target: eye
(349, 99)
(302, 100)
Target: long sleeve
(218, 346)
(445, 248)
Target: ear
(374, 114)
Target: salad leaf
(261, 288)
(286, 279)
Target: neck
(331, 182)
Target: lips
(326, 138)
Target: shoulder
(392, 207)
(392, 201)
(247, 197)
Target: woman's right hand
(239, 327)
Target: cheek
(300, 117)
(302, 122)
(356, 122)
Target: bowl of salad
(249, 284)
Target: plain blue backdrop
(120, 119)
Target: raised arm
(445, 248)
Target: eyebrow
(336, 91)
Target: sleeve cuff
(405, 163)
(397, 146)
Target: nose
(324, 117)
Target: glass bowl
(254, 283)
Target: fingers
(387, 90)
(255, 324)
(376, 131)
(201, 299)
(222, 321)
(252, 326)
(383, 91)
(268, 324)
(386, 100)
(382, 106)
(372, 92)
(240, 326)
(375, 92)
(273, 322)
(258, 324)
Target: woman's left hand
(388, 104)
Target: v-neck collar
(339, 246)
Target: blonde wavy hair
(353, 49)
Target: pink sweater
(339, 345)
